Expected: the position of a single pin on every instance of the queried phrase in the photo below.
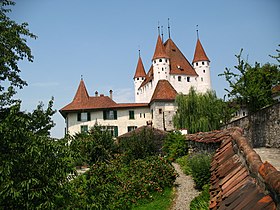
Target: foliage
(175, 145)
(198, 166)
(141, 145)
(34, 168)
(200, 112)
(93, 146)
(159, 201)
(277, 57)
(251, 85)
(118, 185)
(13, 48)
(201, 202)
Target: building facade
(155, 91)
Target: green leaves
(199, 112)
(251, 85)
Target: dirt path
(185, 191)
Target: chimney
(96, 93)
(111, 94)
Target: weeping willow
(199, 112)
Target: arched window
(160, 60)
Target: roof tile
(164, 91)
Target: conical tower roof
(199, 54)
(159, 51)
(140, 71)
(81, 94)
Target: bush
(175, 145)
(115, 185)
(183, 162)
(141, 145)
(202, 201)
(200, 169)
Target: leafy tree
(252, 85)
(91, 147)
(13, 48)
(200, 112)
(175, 145)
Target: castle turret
(161, 62)
(138, 78)
(201, 64)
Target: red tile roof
(140, 71)
(178, 62)
(148, 78)
(159, 51)
(164, 91)
(82, 101)
(199, 54)
(239, 179)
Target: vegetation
(200, 112)
(175, 146)
(202, 201)
(251, 85)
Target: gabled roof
(160, 50)
(199, 54)
(178, 62)
(140, 71)
(164, 91)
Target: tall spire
(81, 94)
(140, 71)
(199, 54)
(159, 51)
(168, 29)
(162, 33)
(197, 35)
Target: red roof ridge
(140, 70)
(160, 50)
(199, 54)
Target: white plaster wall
(122, 121)
(182, 86)
(204, 79)
(137, 83)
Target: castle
(155, 92)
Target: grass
(159, 201)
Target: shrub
(183, 162)
(200, 169)
(175, 145)
(201, 201)
(141, 145)
(115, 185)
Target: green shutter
(116, 132)
(104, 115)
(115, 115)
(88, 116)
(79, 117)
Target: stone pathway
(185, 191)
(271, 155)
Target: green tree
(13, 48)
(200, 112)
(252, 85)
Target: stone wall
(262, 129)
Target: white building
(155, 91)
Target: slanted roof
(164, 91)
(199, 54)
(179, 64)
(149, 77)
(81, 95)
(140, 71)
(160, 50)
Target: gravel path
(185, 191)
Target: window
(154, 61)
(160, 111)
(203, 71)
(110, 115)
(137, 78)
(83, 116)
(140, 115)
(160, 60)
(179, 78)
(131, 128)
(202, 62)
(152, 113)
(196, 64)
(113, 130)
(144, 115)
(84, 128)
(201, 79)
(188, 79)
(162, 69)
(131, 115)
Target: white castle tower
(201, 64)
(138, 78)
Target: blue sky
(100, 40)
